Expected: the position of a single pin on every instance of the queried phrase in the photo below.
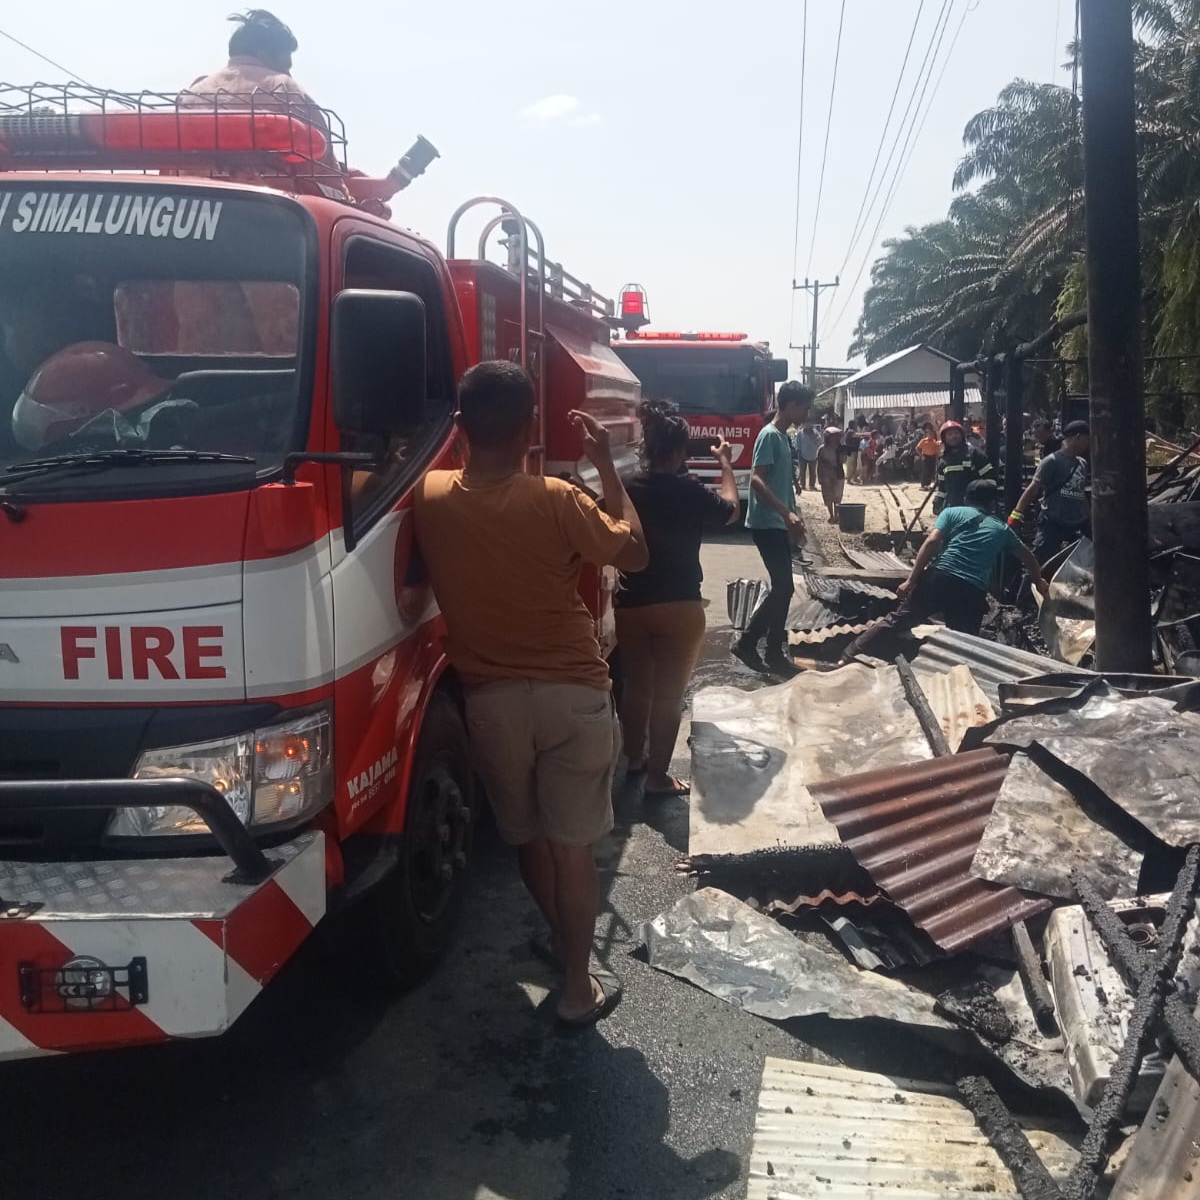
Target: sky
(653, 143)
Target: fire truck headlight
(280, 773)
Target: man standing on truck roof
(774, 525)
(259, 75)
(503, 550)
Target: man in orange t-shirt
(504, 551)
(929, 450)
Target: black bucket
(852, 518)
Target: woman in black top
(660, 618)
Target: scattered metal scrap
(822, 608)
(741, 956)
(1153, 989)
(1148, 1007)
(915, 829)
(1157, 786)
(1038, 833)
(755, 754)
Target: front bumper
(153, 949)
(710, 476)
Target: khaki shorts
(546, 753)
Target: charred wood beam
(1147, 1013)
(1037, 990)
(935, 735)
(1008, 1139)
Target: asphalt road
(460, 1090)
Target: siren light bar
(651, 335)
(93, 137)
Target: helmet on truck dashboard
(78, 384)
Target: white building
(913, 383)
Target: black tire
(413, 912)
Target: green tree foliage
(1008, 257)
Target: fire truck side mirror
(377, 349)
(779, 370)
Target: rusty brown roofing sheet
(915, 830)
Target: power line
(858, 220)
(837, 55)
(38, 54)
(899, 177)
(799, 161)
(922, 71)
(926, 70)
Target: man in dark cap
(1061, 485)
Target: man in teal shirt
(773, 522)
(954, 567)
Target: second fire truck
(722, 383)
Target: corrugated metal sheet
(991, 663)
(839, 1134)
(875, 560)
(807, 615)
(816, 606)
(915, 830)
(957, 701)
(816, 637)
(840, 899)
(881, 398)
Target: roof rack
(276, 138)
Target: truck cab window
(370, 494)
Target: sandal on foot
(610, 985)
(679, 787)
(541, 945)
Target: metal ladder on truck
(526, 259)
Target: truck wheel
(415, 909)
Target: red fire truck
(225, 707)
(723, 383)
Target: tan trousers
(660, 644)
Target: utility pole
(1117, 411)
(816, 287)
(804, 359)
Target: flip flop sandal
(542, 946)
(681, 788)
(610, 985)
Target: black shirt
(675, 511)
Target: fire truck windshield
(716, 380)
(150, 320)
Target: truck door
(382, 605)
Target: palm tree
(993, 268)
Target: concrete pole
(1123, 625)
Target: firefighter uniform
(957, 467)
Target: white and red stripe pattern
(205, 960)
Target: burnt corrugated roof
(992, 663)
(915, 830)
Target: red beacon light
(634, 308)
